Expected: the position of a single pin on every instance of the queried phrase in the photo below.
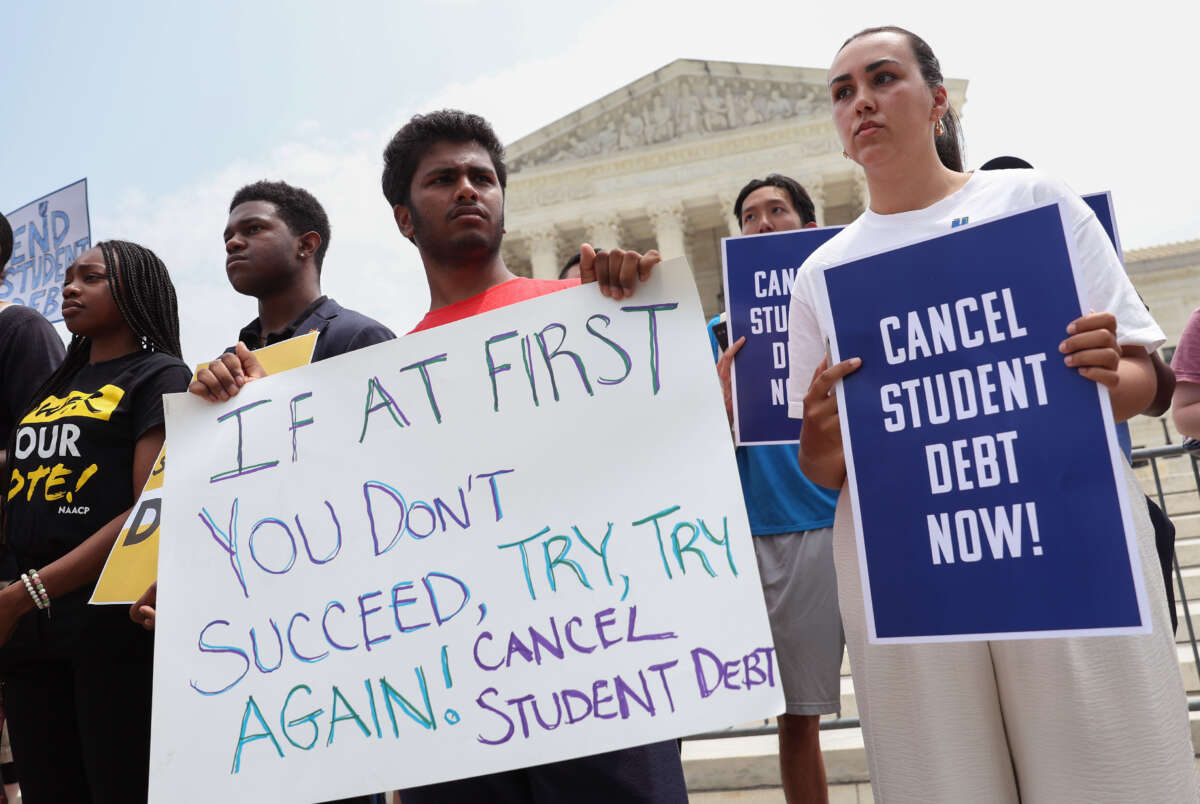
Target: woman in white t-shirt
(1097, 719)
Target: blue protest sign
(759, 270)
(1102, 205)
(48, 235)
(987, 485)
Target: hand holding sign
(724, 367)
(224, 377)
(142, 612)
(1127, 372)
(821, 457)
(1092, 347)
(615, 269)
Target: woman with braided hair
(77, 677)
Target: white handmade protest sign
(48, 235)
(502, 542)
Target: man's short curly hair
(408, 147)
(297, 207)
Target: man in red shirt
(444, 176)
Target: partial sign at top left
(48, 235)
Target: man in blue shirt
(791, 520)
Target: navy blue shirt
(341, 330)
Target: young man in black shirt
(275, 244)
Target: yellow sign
(133, 563)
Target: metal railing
(1153, 454)
(1139, 458)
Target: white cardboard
(620, 455)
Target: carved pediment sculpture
(691, 103)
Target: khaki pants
(1040, 721)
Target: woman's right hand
(821, 458)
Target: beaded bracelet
(37, 601)
(37, 583)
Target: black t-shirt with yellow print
(71, 468)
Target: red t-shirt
(514, 290)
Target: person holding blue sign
(791, 520)
(1097, 719)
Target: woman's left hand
(1091, 347)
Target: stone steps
(1179, 481)
(1147, 432)
(1187, 548)
(1187, 526)
(1191, 590)
(749, 766)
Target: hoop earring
(939, 130)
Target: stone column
(816, 191)
(669, 224)
(604, 231)
(543, 253)
(513, 251)
(727, 201)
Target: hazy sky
(167, 108)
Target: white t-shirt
(986, 194)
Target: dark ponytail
(949, 144)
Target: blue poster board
(1101, 204)
(49, 233)
(759, 270)
(986, 481)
